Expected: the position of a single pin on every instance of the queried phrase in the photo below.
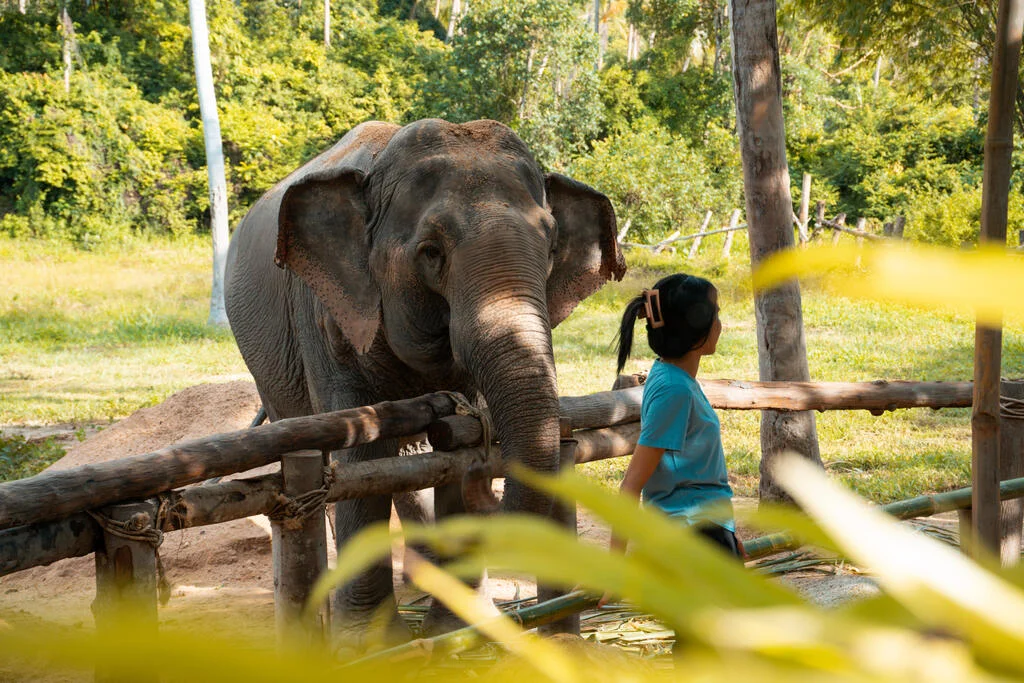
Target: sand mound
(189, 414)
(211, 569)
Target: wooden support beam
(126, 582)
(299, 552)
(995, 187)
(1011, 466)
(57, 494)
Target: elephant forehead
(512, 180)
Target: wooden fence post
(1011, 465)
(836, 234)
(700, 236)
(126, 579)
(897, 227)
(805, 202)
(564, 514)
(861, 224)
(819, 216)
(299, 548)
(734, 220)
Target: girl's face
(716, 327)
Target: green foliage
(657, 181)
(92, 164)
(529, 65)
(21, 458)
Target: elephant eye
(430, 251)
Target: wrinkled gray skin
(407, 260)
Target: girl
(679, 465)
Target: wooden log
(660, 246)
(56, 494)
(1011, 466)
(44, 543)
(454, 432)
(126, 584)
(623, 406)
(299, 553)
(734, 221)
(838, 227)
(700, 236)
(610, 442)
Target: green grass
(93, 336)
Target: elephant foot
(439, 619)
(359, 634)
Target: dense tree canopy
(889, 120)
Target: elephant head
(452, 253)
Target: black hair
(686, 310)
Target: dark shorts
(721, 537)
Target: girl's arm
(641, 466)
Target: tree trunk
(327, 24)
(988, 339)
(780, 334)
(453, 20)
(214, 157)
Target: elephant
(407, 260)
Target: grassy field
(90, 337)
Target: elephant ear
(587, 252)
(321, 237)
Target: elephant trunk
(500, 334)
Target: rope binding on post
(141, 528)
(292, 510)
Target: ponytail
(634, 310)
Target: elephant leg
(416, 507)
(439, 619)
(365, 611)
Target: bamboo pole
(988, 340)
(57, 494)
(577, 601)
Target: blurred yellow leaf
(937, 583)
(543, 656)
(985, 283)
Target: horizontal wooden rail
(61, 495)
(42, 543)
(622, 406)
(57, 494)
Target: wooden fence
(120, 509)
(806, 230)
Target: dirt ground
(224, 571)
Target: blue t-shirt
(690, 481)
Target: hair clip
(652, 309)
